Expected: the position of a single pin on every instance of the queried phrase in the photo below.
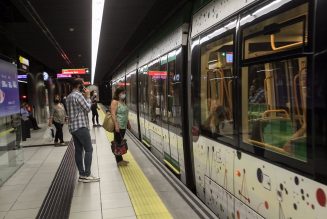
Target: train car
(231, 103)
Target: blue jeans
(82, 141)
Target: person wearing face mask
(94, 109)
(119, 112)
(58, 118)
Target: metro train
(234, 103)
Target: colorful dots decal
(266, 205)
(296, 180)
(321, 197)
(259, 175)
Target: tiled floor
(37, 136)
(109, 197)
(22, 195)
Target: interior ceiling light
(97, 12)
(71, 29)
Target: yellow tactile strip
(146, 202)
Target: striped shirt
(77, 109)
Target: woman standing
(119, 112)
(58, 118)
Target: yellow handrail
(289, 46)
(265, 145)
(275, 111)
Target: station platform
(142, 189)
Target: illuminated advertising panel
(22, 77)
(64, 76)
(77, 71)
(9, 93)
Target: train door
(132, 107)
(143, 104)
(174, 115)
(163, 74)
(213, 121)
(156, 90)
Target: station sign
(20, 77)
(158, 74)
(77, 71)
(24, 61)
(64, 75)
(123, 84)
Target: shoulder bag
(108, 123)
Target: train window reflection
(174, 105)
(280, 33)
(133, 91)
(216, 87)
(155, 90)
(274, 106)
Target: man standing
(78, 107)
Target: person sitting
(257, 93)
(32, 119)
(216, 117)
(26, 123)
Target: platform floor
(138, 190)
(22, 195)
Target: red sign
(157, 73)
(123, 84)
(78, 71)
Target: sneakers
(88, 179)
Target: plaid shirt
(77, 110)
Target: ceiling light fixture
(97, 11)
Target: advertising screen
(9, 93)
(229, 57)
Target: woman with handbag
(119, 112)
(58, 118)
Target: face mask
(122, 96)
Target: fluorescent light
(97, 12)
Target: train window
(274, 106)
(216, 87)
(128, 89)
(154, 90)
(174, 105)
(143, 91)
(133, 91)
(162, 77)
(284, 32)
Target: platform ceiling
(126, 23)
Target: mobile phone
(82, 89)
